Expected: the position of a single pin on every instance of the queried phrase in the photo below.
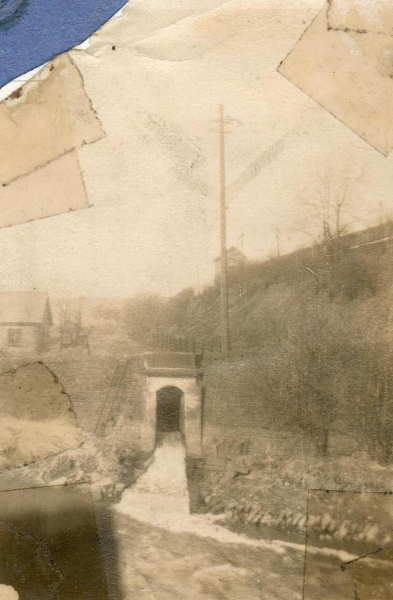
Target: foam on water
(167, 474)
(160, 498)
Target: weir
(162, 490)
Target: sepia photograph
(196, 300)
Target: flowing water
(160, 496)
(168, 554)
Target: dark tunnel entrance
(169, 409)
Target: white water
(167, 474)
(161, 494)
(160, 498)
(158, 564)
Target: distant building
(25, 321)
(235, 259)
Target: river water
(162, 552)
(168, 554)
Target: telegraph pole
(278, 241)
(225, 342)
(241, 238)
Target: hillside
(347, 271)
(311, 340)
(37, 418)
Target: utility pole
(241, 238)
(225, 342)
(278, 242)
(198, 281)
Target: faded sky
(153, 181)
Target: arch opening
(169, 410)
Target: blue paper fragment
(33, 31)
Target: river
(168, 554)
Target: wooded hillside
(312, 341)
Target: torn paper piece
(7, 592)
(349, 548)
(16, 84)
(350, 75)
(49, 544)
(142, 19)
(362, 16)
(34, 31)
(46, 118)
(54, 189)
(36, 419)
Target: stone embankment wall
(260, 480)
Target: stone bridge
(173, 399)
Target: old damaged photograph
(196, 328)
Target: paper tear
(37, 419)
(361, 16)
(51, 190)
(134, 25)
(34, 31)
(17, 83)
(199, 35)
(7, 592)
(349, 75)
(46, 118)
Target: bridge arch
(169, 410)
(172, 402)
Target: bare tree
(329, 211)
(72, 332)
(64, 309)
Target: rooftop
(24, 307)
(175, 364)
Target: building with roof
(235, 259)
(25, 321)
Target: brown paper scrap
(350, 75)
(362, 16)
(36, 418)
(54, 189)
(46, 118)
